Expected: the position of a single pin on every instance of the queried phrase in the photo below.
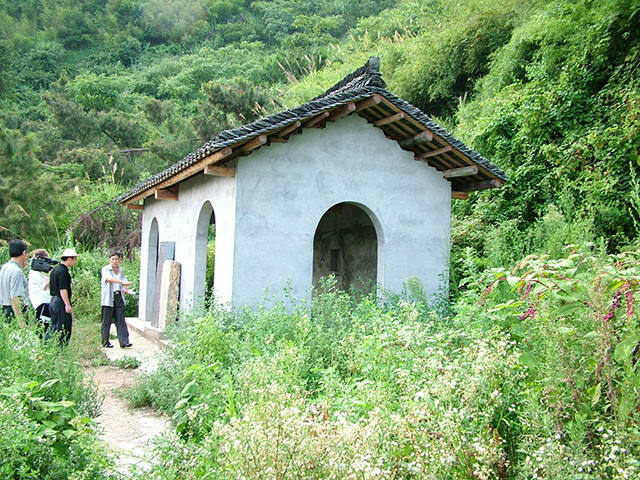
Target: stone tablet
(169, 293)
(166, 251)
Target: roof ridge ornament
(366, 76)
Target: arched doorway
(152, 269)
(204, 271)
(345, 245)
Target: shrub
(533, 377)
(45, 410)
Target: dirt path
(128, 432)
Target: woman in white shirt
(39, 297)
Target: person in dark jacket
(60, 289)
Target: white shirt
(108, 288)
(38, 288)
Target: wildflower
(614, 306)
(531, 312)
(630, 301)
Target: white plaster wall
(283, 190)
(177, 222)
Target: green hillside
(98, 95)
(528, 370)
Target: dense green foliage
(546, 90)
(46, 406)
(533, 377)
(96, 96)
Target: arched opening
(152, 269)
(345, 245)
(205, 253)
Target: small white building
(356, 183)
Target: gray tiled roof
(362, 83)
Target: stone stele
(169, 293)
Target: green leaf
(513, 281)
(594, 393)
(529, 360)
(624, 349)
(509, 304)
(189, 389)
(566, 330)
(49, 383)
(568, 309)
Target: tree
(30, 196)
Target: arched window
(346, 245)
(204, 254)
(152, 270)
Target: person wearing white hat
(60, 289)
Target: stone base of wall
(149, 332)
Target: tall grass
(521, 381)
(46, 406)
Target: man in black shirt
(60, 289)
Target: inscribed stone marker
(166, 251)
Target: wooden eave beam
(434, 153)
(252, 144)
(218, 156)
(287, 130)
(369, 102)
(134, 206)
(460, 195)
(316, 121)
(275, 139)
(392, 119)
(220, 171)
(170, 193)
(340, 112)
(461, 172)
(474, 187)
(419, 139)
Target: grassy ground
(85, 340)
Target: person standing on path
(114, 285)
(13, 283)
(60, 289)
(39, 292)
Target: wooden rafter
(287, 130)
(459, 195)
(317, 121)
(274, 139)
(342, 111)
(215, 157)
(170, 193)
(392, 119)
(369, 102)
(220, 171)
(434, 153)
(461, 172)
(134, 206)
(474, 187)
(419, 139)
(252, 144)
(463, 157)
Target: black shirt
(60, 279)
